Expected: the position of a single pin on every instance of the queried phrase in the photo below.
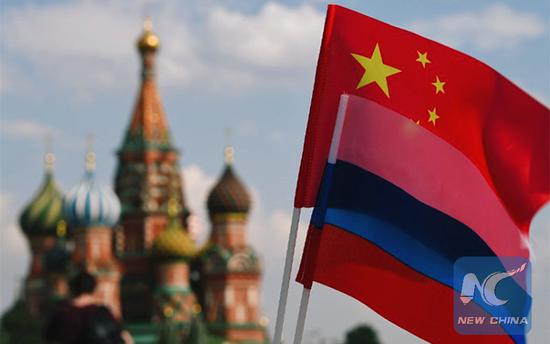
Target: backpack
(102, 328)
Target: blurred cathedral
(151, 273)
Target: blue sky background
(70, 69)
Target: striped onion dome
(229, 195)
(90, 203)
(174, 242)
(42, 214)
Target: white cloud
(38, 133)
(14, 256)
(12, 79)
(197, 184)
(5, 201)
(27, 129)
(498, 26)
(73, 29)
(84, 47)
(276, 37)
(540, 243)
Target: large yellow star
(438, 85)
(432, 116)
(375, 70)
(423, 58)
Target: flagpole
(332, 156)
(283, 296)
(302, 316)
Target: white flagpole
(302, 316)
(333, 153)
(283, 296)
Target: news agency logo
(487, 289)
(492, 295)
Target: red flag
(399, 203)
(496, 125)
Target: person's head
(82, 283)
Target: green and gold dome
(42, 215)
(229, 195)
(174, 242)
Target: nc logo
(487, 289)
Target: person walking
(82, 320)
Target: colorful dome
(148, 40)
(174, 242)
(41, 215)
(90, 203)
(229, 195)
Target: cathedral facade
(162, 285)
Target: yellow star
(423, 58)
(438, 85)
(417, 122)
(375, 70)
(432, 116)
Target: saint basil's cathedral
(153, 276)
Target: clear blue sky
(70, 68)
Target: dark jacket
(83, 325)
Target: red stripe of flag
(400, 294)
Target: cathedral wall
(173, 274)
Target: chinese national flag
(495, 124)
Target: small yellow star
(438, 85)
(432, 116)
(375, 70)
(423, 58)
(417, 122)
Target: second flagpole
(283, 296)
(333, 153)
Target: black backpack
(102, 328)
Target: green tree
(198, 333)
(19, 326)
(362, 334)
(169, 333)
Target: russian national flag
(428, 157)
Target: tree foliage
(362, 334)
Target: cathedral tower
(172, 251)
(230, 267)
(39, 221)
(148, 175)
(56, 267)
(91, 210)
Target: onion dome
(90, 203)
(174, 242)
(229, 195)
(58, 258)
(41, 215)
(148, 41)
